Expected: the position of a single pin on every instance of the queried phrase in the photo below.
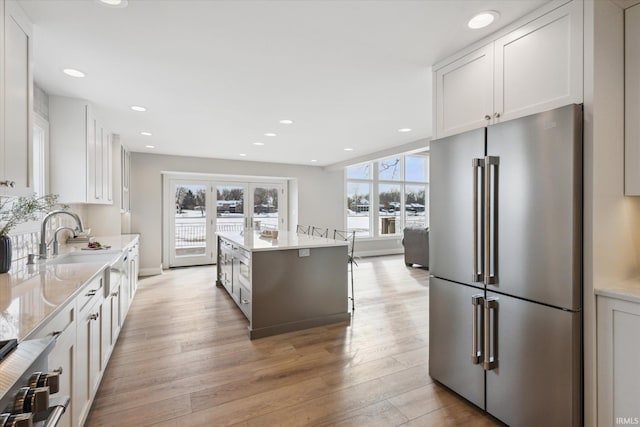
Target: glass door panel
(266, 202)
(190, 240)
(230, 203)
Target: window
(401, 188)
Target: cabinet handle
(55, 333)
(94, 316)
(496, 115)
(91, 293)
(115, 294)
(7, 183)
(58, 371)
(244, 301)
(487, 117)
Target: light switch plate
(304, 252)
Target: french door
(191, 237)
(198, 208)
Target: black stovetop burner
(6, 347)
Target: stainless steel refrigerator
(505, 320)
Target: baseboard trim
(379, 252)
(150, 271)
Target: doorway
(196, 207)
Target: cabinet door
(464, 93)
(107, 160)
(116, 322)
(95, 346)
(81, 390)
(538, 67)
(17, 101)
(92, 156)
(618, 355)
(632, 102)
(61, 360)
(105, 332)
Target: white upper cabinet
(632, 102)
(16, 100)
(464, 93)
(535, 67)
(539, 66)
(81, 153)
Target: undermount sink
(81, 257)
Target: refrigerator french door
(506, 289)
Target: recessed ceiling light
(73, 72)
(258, 143)
(243, 155)
(313, 161)
(403, 130)
(269, 134)
(348, 149)
(286, 122)
(114, 3)
(483, 19)
(138, 108)
(146, 133)
(149, 146)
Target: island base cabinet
(618, 367)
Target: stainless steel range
(26, 387)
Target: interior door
(191, 238)
(268, 204)
(537, 375)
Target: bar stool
(303, 229)
(319, 231)
(350, 238)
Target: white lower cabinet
(61, 360)
(88, 347)
(618, 356)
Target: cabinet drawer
(60, 323)
(244, 301)
(92, 292)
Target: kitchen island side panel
(300, 292)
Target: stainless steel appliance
(26, 387)
(505, 321)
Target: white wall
(320, 194)
(611, 221)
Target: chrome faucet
(43, 231)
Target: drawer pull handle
(58, 371)
(245, 301)
(115, 294)
(91, 293)
(55, 333)
(94, 316)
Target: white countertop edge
(283, 240)
(627, 290)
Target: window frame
(375, 182)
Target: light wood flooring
(184, 359)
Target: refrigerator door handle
(491, 278)
(491, 357)
(476, 355)
(477, 273)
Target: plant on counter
(14, 211)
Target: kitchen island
(284, 284)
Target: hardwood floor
(184, 358)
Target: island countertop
(252, 241)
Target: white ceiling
(216, 75)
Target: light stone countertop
(627, 290)
(286, 240)
(31, 294)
